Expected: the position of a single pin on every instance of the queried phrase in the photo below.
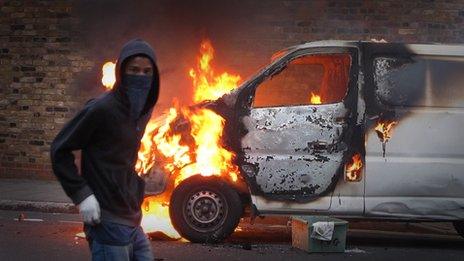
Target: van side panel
(422, 173)
(419, 172)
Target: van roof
(424, 49)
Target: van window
(432, 81)
(312, 79)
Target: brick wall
(51, 51)
(39, 58)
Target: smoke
(175, 30)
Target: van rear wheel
(205, 209)
(459, 226)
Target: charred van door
(298, 124)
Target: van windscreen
(306, 80)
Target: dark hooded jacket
(109, 139)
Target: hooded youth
(108, 130)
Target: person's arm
(75, 135)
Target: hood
(131, 48)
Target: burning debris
(315, 99)
(186, 141)
(353, 169)
(383, 130)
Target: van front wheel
(205, 209)
(459, 226)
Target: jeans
(111, 241)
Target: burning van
(353, 129)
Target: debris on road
(355, 251)
(22, 217)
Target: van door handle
(319, 145)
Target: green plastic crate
(302, 229)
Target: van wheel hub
(205, 210)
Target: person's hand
(90, 210)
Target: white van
(342, 128)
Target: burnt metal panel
(419, 174)
(297, 150)
(308, 154)
(424, 159)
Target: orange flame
(156, 218)
(209, 86)
(187, 141)
(384, 129)
(146, 157)
(315, 99)
(108, 75)
(353, 169)
(211, 158)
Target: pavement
(34, 195)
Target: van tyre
(205, 209)
(459, 226)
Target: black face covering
(137, 88)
